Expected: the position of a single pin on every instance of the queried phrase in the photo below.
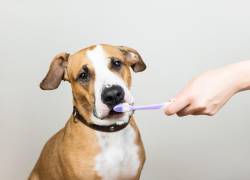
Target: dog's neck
(102, 128)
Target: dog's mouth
(109, 113)
(114, 115)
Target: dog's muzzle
(111, 96)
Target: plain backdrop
(177, 39)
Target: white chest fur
(119, 154)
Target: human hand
(206, 93)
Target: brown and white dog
(96, 142)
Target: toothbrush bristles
(124, 107)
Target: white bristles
(125, 107)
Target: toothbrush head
(124, 107)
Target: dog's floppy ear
(56, 72)
(134, 58)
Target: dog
(96, 142)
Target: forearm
(240, 75)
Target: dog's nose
(112, 95)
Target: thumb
(177, 104)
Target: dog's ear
(133, 58)
(56, 72)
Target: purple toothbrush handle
(154, 106)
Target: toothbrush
(125, 107)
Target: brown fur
(70, 153)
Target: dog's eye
(116, 63)
(84, 76)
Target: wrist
(240, 75)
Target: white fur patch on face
(119, 155)
(104, 78)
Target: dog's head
(100, 79)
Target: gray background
(178, 40)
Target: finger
(186, 111)
(179, 103)
(202, 112)
(191, 109)
(198, 113)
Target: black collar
(108, 128)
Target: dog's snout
(112, 95)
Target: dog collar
(108, 128)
